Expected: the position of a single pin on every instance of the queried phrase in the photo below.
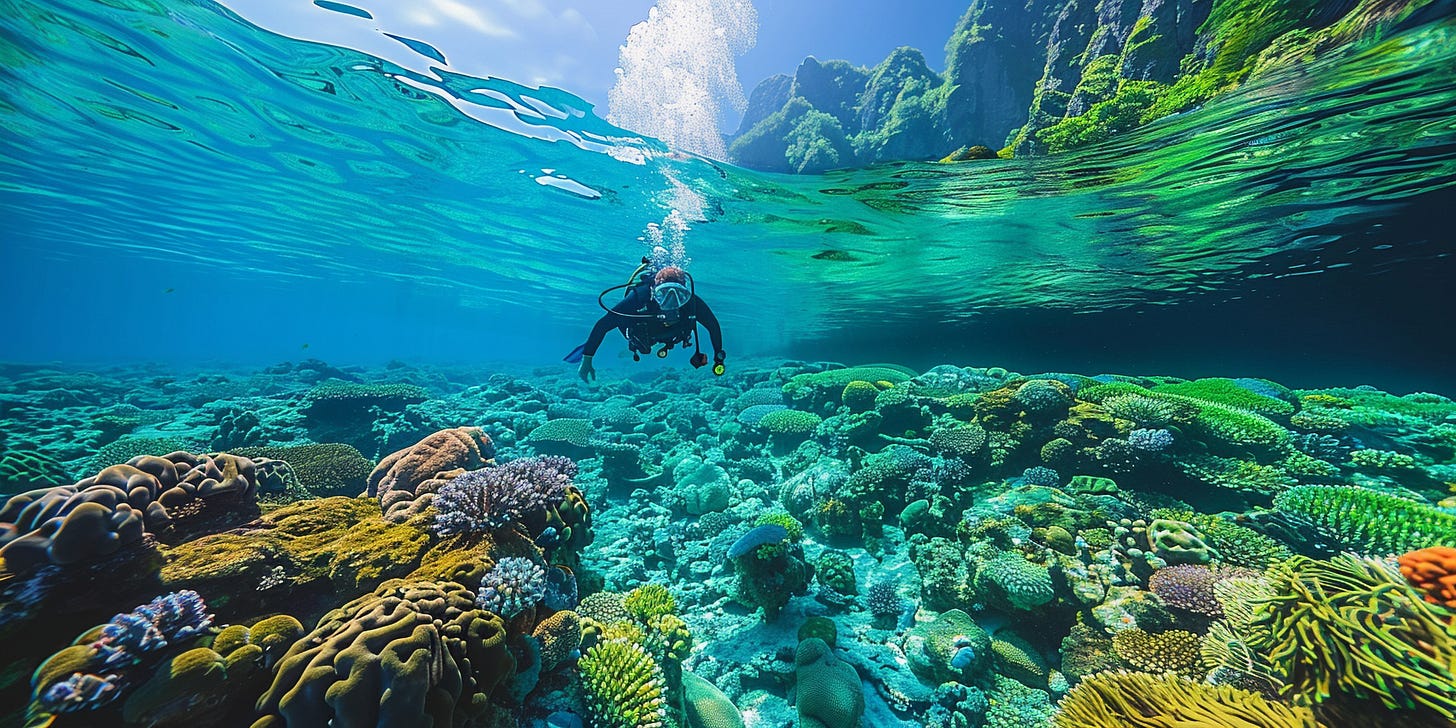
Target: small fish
(305, 346)
(169, 290)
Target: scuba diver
(659, 307)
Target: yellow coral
(1172, 651)
(648, 601)
(1136, 700)
(1355, 625)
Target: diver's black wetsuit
(642, 332)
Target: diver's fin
(575, 355)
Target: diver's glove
(718, 368)
(585, 371)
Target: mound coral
(1137, 700)
(1012, 582)
(1369, 521)
(827, 691)
(410, 653)
(417, 472)
(170, 497)
(819, 388)
(323, 469)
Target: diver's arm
(618, 316)
(710, 322)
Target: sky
(573, 44)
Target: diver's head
(669, 288)
(670, 274)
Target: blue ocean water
(179, 185)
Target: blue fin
(575, 355)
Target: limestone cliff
(1043, 76)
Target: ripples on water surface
(308, 193)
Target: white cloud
(475, 19)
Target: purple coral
(514, 584)
(486, 499)
(151, 626)
(1150, 440)
(82, 691)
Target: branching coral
(1433, 571)
(1369, 521)
(624, 685)
(1354, 625)
(489, 498)
(1136, 700)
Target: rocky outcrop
(1039, 76)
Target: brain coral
(1012, 581)
(169, 497)
(410, 474)
(827, 690)
(412, 653)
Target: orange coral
(1433, 571)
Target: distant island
(1029, 77)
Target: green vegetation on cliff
(1043, 77)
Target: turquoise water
(281, 406)
(170, 167)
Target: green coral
(573, 431)
(623, 684)
(827, 690)
(648, 601)
(1139, 700)
(819, 388)
(1017, 659)
(859, 396)
(1238, 545)
(1231, 393)
(24, 469)
(789, 423)
(790, 524)
(323, 469)
(1178, 542)
(1010, 581)
(1014, 705)
(835, 569)
(1381, 460)
(1329, 629)
(1369, 521)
